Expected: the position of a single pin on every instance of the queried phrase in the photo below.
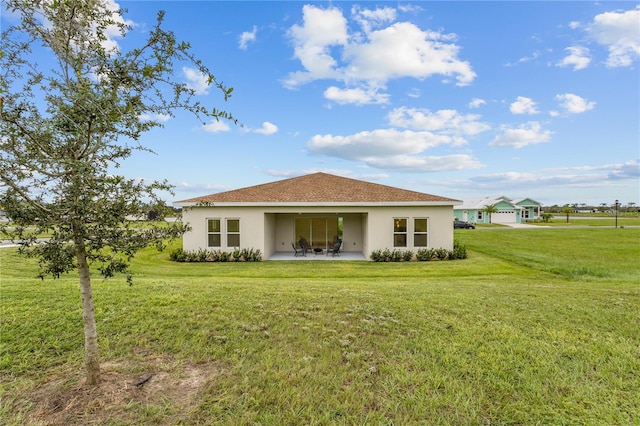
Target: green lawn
(626, 219)
(538, 326)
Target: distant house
(509, 211)
(320, 208)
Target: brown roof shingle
(318, 188)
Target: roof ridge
(319, 187)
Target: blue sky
(459, 99)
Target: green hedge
(459, 252)
(202, 255)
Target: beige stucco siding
(440, 226)
(252, 233)
(365, 228)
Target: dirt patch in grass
(163, 393)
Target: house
(321, 208)
(509, 211)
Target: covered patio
(316, 257)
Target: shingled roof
(319, 188)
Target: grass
(536, 327)
(626, 219)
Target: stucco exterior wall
(252, 232)
(365, 228)
(440, 227)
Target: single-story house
(321, 208)
(509, 211)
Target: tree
(546, 217)
(65, 131)
(490, 210)
(567, 211)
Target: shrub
(396, 256)
(441, 253)
(202, 255)
(424, 255)
(376, 256)
(236, 255)
(459, 251)
(387, 255)
(178, 255)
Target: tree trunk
(91, 358)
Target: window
(479, 215)
(213, 233)
(399, 232)
(420, 232)
(233, 232)
(525, 213)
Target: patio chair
(296, 252)
(304, 246)
(335, 250)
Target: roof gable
(502, 201)
(319, 188)
(503, 204)
(526, 202)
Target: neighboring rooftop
(319, 188)
(480, 203)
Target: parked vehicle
(459, 224)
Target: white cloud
(526, 134)
(155, 117)
(477, 103)
(599, 175)
(376, 143)
(414, 93)
(198, 188)
(578, 57)
(619, 32)
(553, 185)
(247, 37)
(356, 96)
(627, 170)
(369, 19)
(321, 29)
(216, 126)
(574, 104)
(404, 50)
(535, 55)
(367, 60)
(408, 163)
(267, 129)
(447, 122)
(523, 105)
(196, 80)
(507, 179)
(392, 149)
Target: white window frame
(229, 233)
(219, 233)
(425, 233)
(398, 233)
